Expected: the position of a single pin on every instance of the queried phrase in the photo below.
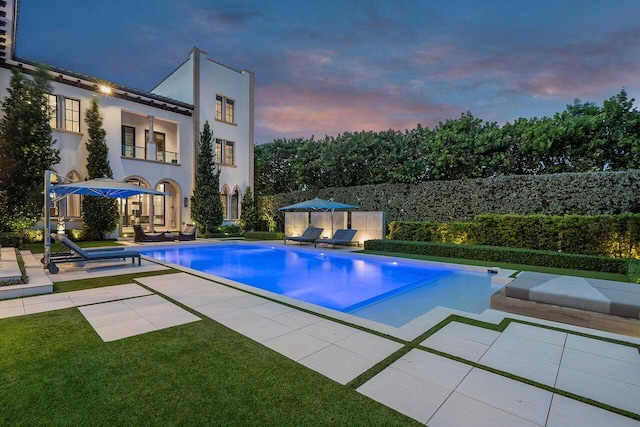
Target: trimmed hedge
(603, 235)
(593, 193)
(264, 235)
(507, 255)
(11, 240)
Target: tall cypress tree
(99, 214)
(206, 207)
(249, 214)
(26, 149)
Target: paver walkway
(430, 388)
(335, 350)
(115, 312)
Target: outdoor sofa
(189, 233)
(139, 235)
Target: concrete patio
(458, 376)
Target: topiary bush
(264, 235)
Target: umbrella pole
(47, 218)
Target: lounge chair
(309, 236)
(139, 235)
(340, 237)
(77, 254)
(189, 233)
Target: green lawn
(55, 370)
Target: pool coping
(407, 332)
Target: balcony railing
(167, 156)
(140, 152)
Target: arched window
(224, 195)
(234, 204)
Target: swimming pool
(392, 291)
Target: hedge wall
(603, 235)
(509, 255)
(450, 201)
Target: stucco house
(152, 136)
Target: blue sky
(326, 67)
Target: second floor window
(64, 113)
(224, 152)
(72, 115)
(225, 109)
(52, 102)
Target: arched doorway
(165, 208)
(135, 209)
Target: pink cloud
(286, 111)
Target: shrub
(11, 239)
(604, 235)
(503, 254)
(264, 235)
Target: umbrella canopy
(103, 187)
(317, 205)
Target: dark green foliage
(446, 201)
(99, 214)
(206, 206)
(264, 235)
(583, 138)
(502, 254)
(12, 239)
(634, 270)
(603, 235)
(249, 214)
(26, 149)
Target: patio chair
(139, 235)
(340, 237)
(77, 254)
(309, 236)
(189, 233)
(67, 244)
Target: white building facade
(152, 136)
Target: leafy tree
(206, 206)
(276, 166)
(249, 214)
(26, 149)
(99, 214)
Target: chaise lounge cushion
(602, 296)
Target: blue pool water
(392, 291)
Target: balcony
(140, 152)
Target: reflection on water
(389, 291)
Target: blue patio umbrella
(321, 205)
(101, 187)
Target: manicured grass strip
(507, 266)
(500, 327)
(561, 392)
(98, 282)
(38, 248)
(55, 370)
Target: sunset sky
(326, 67)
